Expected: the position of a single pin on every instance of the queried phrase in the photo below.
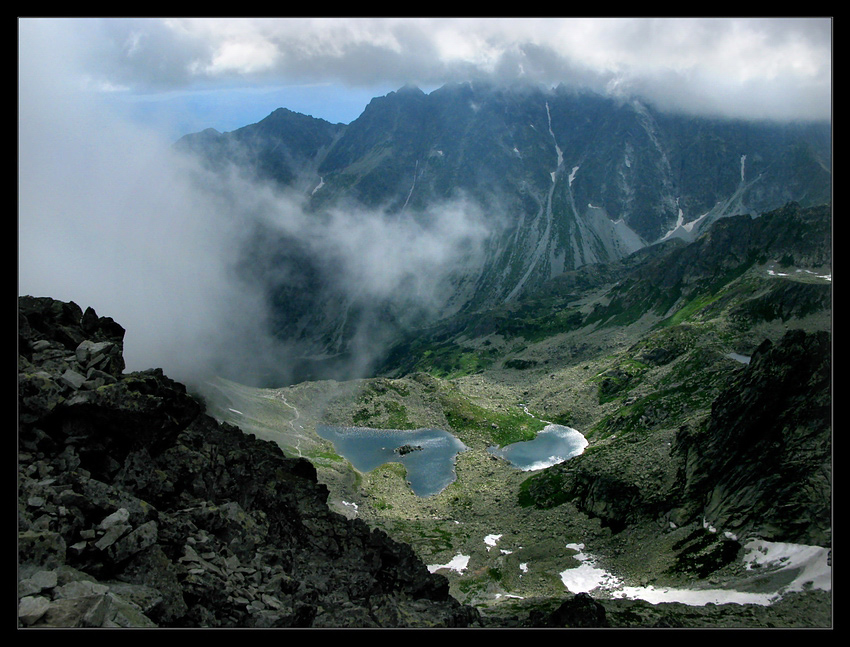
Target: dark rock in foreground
(136, 509)
(579, 612)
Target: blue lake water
(429, 469)
(555, 444)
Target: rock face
(136, 509)
(759, 465)
(562, 180)
(763, 463)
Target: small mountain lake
(427, 454)
(555, 444)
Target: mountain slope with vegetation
(670, 398)
(709, 428)
(553, 179)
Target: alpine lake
(429, 455)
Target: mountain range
(534, 183)
(494, 263)
(660, 282)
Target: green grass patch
(448, 360)
(692, 385)
(325, 456)
(384, 414)
(534, 326)
(565, 418)
(687, 311)
(500, 428)
(619, 379)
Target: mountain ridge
(684, 364)
(137, 509)
(558, 179)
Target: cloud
(345, 281)
(768, 67)
(111, 216)
(108, 219)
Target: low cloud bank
(111, 216)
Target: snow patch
(458, 563)
(587, 576)
(684, 230)
(557, 148)
(809, 567)
(812, 563)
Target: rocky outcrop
(578, 612)
(759, 465)
(677, 274)
(136, 509)
(763, 462)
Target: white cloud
(110, 216)
(243, 57)
(764, 65)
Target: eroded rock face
(137, 509)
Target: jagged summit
(410, 88)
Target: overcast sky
(226, 72)
(107, 218)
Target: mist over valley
(497, 351)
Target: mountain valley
(472, 196)
(638, 383)
(490, 262)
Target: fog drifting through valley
(112, 217)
